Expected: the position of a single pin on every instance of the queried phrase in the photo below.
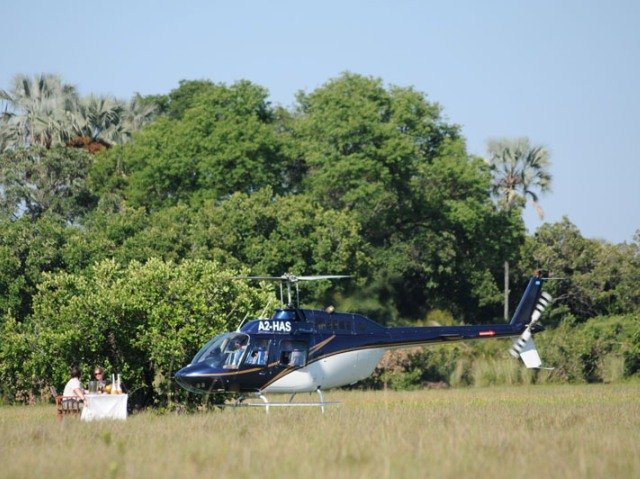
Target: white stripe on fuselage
(330, 372)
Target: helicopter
(309, 350)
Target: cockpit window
(224, 351)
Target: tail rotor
(524, 347)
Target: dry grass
(510, 432)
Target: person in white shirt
(235, 356)
(73, 390)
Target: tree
(226, 142)
(35, 112)
(44, 111)
(597, 278)
(268, 233)
(39, 180)
(105, 121)
(361, 144)
(186, 96)
(520, 171)
(28, 249)
(273, 234)
(387, 157)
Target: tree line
(122, 223)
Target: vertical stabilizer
(527, 306)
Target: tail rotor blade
(541, 305)
(530, 356)
(524, 347)
(519, 344)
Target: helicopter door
(292, 354)
(258, 353)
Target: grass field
(528, 431)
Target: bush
(603, 349)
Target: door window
(258, 353)
(293, 354)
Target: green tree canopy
(387, 156)
(181, 99)
(361, 146)
(278, 234)
(35, 181)
(224, 143)
(596, 278)
(28, 249)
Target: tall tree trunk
(506, 291)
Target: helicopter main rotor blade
(290, 278)
(264, 278)
(326, 276)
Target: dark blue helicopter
(305, 350)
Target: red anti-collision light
(487, 333)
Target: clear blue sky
(564, 73)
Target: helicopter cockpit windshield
(224, 351)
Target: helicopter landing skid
(266, 404)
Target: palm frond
(518, 170)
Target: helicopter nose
(198, 379)
(182, 378)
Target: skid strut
(266, 404)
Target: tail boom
(522, 326)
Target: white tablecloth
(104, 406)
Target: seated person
(297, 358)
(235, 352)
(252, 357)
(98, 374)
(261, 358)
(285, 357)
(73, 390)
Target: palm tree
(36, 110)
(520, 171)
(93, 120)
(42, 110)
(95, 115)
(108, 121)
(135, 114)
